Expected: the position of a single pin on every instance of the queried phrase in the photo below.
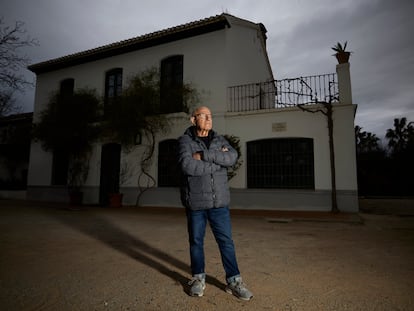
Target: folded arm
(225, 156)
(189, 160)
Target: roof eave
(139, 43)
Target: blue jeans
(220, 224)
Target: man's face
(203, 119)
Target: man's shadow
(102, 229)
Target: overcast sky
(300, 36)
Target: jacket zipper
(213, 190)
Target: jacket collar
(191, 131)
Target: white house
(285, 150)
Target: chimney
(344, 83)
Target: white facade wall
(212, 63)
(296, 123)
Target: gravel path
(54, 258)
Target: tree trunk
(329, 113)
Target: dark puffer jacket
(205, 182)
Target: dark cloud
(300, 36)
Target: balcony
(284, 93)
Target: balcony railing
(283, 93)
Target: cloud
(300, 36)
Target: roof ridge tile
(77, 57)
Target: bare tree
(326, 108)
(137, 111)
(307, 99)
(12, 40)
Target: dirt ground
(92, 258)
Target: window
(171, 84)
(66, 88)
(110, 171)
(168, 172)
(285, 163)
(60, 165)
(113, 85)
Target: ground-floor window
(168, 172)
(60, 166)
(284, 163)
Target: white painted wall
(212, 63)
(298, 123)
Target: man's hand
(224, 149)
(197, 156)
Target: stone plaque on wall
(279, 127)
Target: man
(204, 157)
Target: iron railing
(283, 93)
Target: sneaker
(198, 284)
(239, 289)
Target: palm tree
(365, 141)
(401, 145)
(401, 136)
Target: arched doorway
(168, 172)
(110, 166)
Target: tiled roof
(155, 38)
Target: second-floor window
(172, 84)
(66, 88)
(113, 84)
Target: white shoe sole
(229, 291)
